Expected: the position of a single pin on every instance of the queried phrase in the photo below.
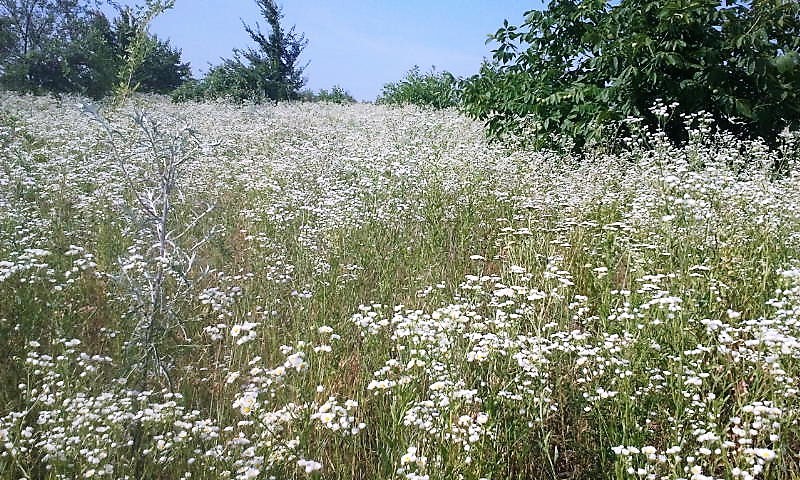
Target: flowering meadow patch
(326, 291)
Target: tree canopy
(580, 65)
(68, 46)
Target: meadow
(362, 292)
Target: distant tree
(89, 65)
(35, 34)
(275, 58)
(229, 80)
(581, 65)
(8, 40)
(337, 94)
(67, 46)
(161, 69)
(268, 71)
(33, 25)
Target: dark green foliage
(229, 80)
(161, 69)
(431, 89)
(63, 46)
(581, 65)
(336, 94)
(191, 89)
(33, 25)
(270, 71)
(8, 39)
(35, 35)
(89, 64)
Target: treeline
(72, 46)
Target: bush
(68, 47)
(336, 94)
(582, 65)
(431, 89)
(230, 81)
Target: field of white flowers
(356, 292)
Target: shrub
(431, 89)
(231, 81)
(190, 90)
(336, 94)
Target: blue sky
(359, 45)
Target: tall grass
(379, 293)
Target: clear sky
(359, 45)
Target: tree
(581, 65)
(337, 94)
(270, 70)
(35, 32)
(65, 46)
(34, 24)
(89, 66)
(276, 56)
(8, 40)
(160, 69)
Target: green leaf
(743, 108)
